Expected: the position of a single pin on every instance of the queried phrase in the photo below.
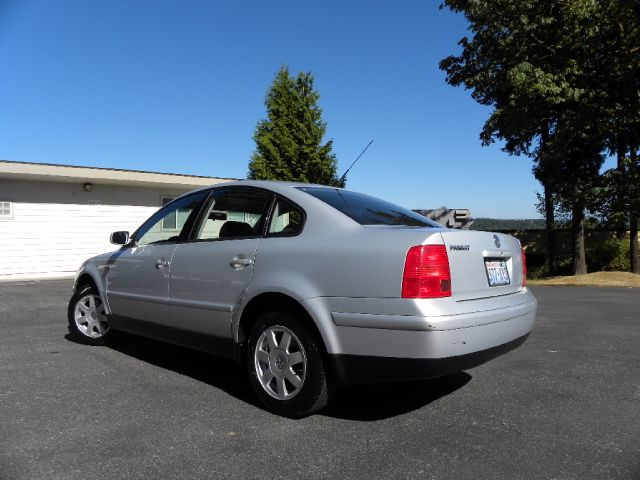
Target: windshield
(367, 210)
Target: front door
(138, 276)
(210, 272)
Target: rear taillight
(426, 272)
(524, 269)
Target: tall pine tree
(289, 142)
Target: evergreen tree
(289, 142)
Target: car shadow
(377, 401)
(218, 372)
(360, 402)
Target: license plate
(497, 272)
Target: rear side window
(286, 219)
(367, 210)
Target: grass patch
(596, 279)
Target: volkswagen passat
(309, 287)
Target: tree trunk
(549, 211)
(621, 151)
(550, 225)
(633, 219)
(579, 257)
(633, 250)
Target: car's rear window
(367, 210)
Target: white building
(53, 217)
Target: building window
(6, 210)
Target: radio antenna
(354, 162)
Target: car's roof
(284, 188)
(269, 184)
(316, 208)
(289, 190)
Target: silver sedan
(309, 287)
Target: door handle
(162, 263)
(238, 263)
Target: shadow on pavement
(377, 401)
(217, 372)
(361, 402)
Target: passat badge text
(458, 247)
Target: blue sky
(179, 86)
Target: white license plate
(497, 272)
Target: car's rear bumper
(360, 368)
(386, 347)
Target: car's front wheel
(286, 365)
(88, 321)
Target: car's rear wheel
(286, 366)
(88, 321)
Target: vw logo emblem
(496, 240)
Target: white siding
(53, 239)
(57, 225)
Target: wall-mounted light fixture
(88, 187)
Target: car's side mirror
(120, 238)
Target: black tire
(316, 388)
(84, 332)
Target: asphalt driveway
(564, 405)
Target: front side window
(170, 224)
(235, 213)
(286, 219)
(368, 210)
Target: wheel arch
(272, 301)
(85, 279)
(89, 274)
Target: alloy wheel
(280, 362)
(90, 316)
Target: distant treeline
(507, 224)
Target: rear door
(483, 264)
(210, 272)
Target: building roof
(111, 176)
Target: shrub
(610, 255)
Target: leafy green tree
(618, 81)
(530, 61)
(289, 142)
(618, 203)
(573, 161)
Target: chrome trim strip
(439, 323)
(216, 307)
(138, 297)
(199, 304)
(385, 322)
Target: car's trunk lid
(483, 264)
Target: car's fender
(96, 268)
(305, 295)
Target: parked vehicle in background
(309, 287)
